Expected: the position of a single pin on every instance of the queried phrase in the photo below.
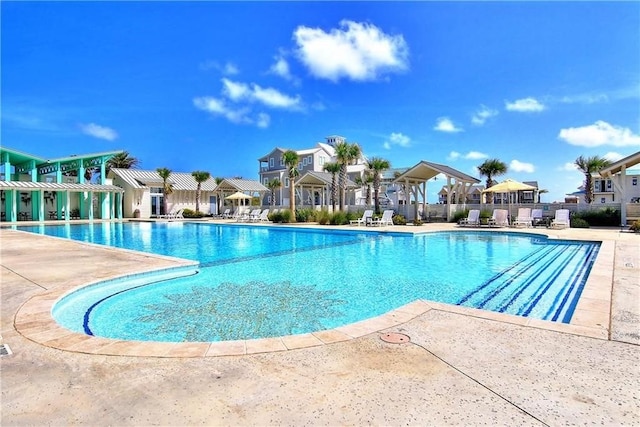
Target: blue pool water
(255, 282)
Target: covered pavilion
(319, 183)
(617, 172)
(36, 188)
(250, 187)
(414, 180)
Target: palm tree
(122, 160)
(167, 187)
(345, 154)
(290, 159)
(588, 166)
(377, 165)
(218, 180)
(273, 185)
(333, 168)
(491, 168)
(200, 177)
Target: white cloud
(357, 51)
(281, 68)
(270, 97)
(444, 124)
(228, 69)
(397, 138)
(475, 155)
(599, 133)
(263, 120)
(218, 107)
(97, 131)
(568, 167)
(483, 114)
(525, 105)
(612, 156)
(454, 155)
(518, 166)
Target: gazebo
(319, 183)
(415, 180)
(230, 186)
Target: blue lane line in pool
(584, 269)
(539, 268)
(527, 306)
(87, 314)
(281, 253)
(496, 277)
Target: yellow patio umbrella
(238, 195)
(509, 186)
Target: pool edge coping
(34, 321)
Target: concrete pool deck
(461, 366)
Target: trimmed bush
(323, 217)
(605, 217)
(401, 220)
(305, 215)
(635, 226)
(578, 223)
(190, 213)
(339, 218)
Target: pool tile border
(591, 318)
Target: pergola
(320, 182)
(414, 180)
(48, 177)
(229, 186)
(617, 172)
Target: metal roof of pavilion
(52, 186)
(237, 184)
(142, 179)
(320, 178)
(424, 171)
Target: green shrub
(339, 218)
(286, 216)
(578, 223)
(190, 213)
(635, 226)
(460, 215)
(605, 217)
(354, 215)
(323, 217)
(416, 221)
(400, 220)
(305, 215)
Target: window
(603, 200)
(321, 160)
(299, 165)
(608, 185)
(281, 161)
(309, 159)
(271, 162)
(634, 181)
(304, 162)
(265, 181)
(286, 182)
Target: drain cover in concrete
(395, 338)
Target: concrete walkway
(458, 367)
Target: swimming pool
(257, 282)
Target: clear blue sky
(216, 85)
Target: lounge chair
(473, 218)
(561, 219)
(386, 219)
(263, 217)
(499, 218)
(537, 218)
(366, 216)
(254, 215)
(524, 218)
(226, 213)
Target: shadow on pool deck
(458, 368)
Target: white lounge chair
(226, 213)
(263, 217)
(561, 219)
(524, 218)
(366, 216)
(499, 218)
(473, 218)
(386, 219)
(254, 215)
